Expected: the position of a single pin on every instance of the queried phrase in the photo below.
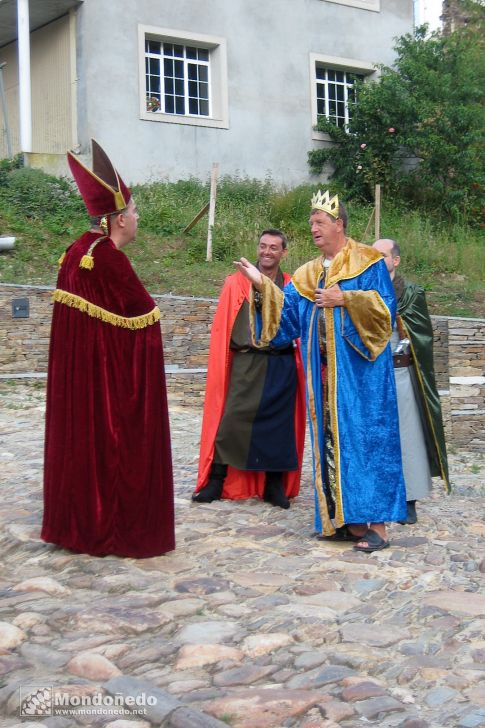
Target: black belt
(266, 352)
(401, 360)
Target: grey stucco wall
(268, 48)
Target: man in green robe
(423, 446)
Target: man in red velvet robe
(254, 415)
(108, 485)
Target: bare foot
(380, 529)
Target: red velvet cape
(238, 483)
(108, 485)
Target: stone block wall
(186, 389)
(459, 353)
(440, 351)
(467, 382)
(25, 341)
(185, 325)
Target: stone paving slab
(251, 622)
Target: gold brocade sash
(125, 322)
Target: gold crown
(323, 202)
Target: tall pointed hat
(102, 189)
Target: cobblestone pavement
(251, 622)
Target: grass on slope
(46, 215)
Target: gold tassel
(61, 260)
(87, 262)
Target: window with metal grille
(336, 94)
(177, 79)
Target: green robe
(413, 311)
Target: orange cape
(239, 483)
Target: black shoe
(274, 492)
(213, 490)
(411, 517)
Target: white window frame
(218, 93)
(373, 5)
(334, 63)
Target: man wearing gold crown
(342, 305)
(108, 485)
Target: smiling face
(270, 253)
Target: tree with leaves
(418, 130)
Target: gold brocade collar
(350, 262)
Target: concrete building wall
(269, 81)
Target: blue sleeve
(289, 323)
(290, 320)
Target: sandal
(342, 534)
(374, 541)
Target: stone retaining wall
(466, 347)
(459, 349)
(185, 325)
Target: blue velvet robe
(361, 386)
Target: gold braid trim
(333, 405)
(327, 525)
(273, 300)
(61, 260)
(125, 322)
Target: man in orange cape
(254, 415)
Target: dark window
(335, 94)
(182, 87)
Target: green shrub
(40, 196)
(167, 208)
(238, 192)
(7, 165)
(419, 129)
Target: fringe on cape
(125, 322)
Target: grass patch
(227, 718)
(46, 214)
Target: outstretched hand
(250, 272)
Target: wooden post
(368, 226)
(378, 213)
(196, 219)
(212, 208)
